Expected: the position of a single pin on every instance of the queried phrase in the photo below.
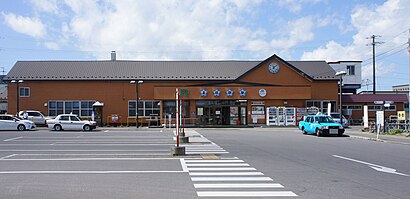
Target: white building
(404, 87)
(353, 79)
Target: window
(350, 70)
(322, 105)
(168, 107)
(24, 92)
(352, 107)
(145, 108)
(380, 108)
(74, 118)
(65, 118)
(80, 108)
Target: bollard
(178, 151)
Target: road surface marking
(74, 150)
(210, 161)
(206, 152)
(9, 156)
(202, 179)
(223, 169)
(264, 185)
(12, 139)
(87, 159)
(245, 193)
(85, 172)
(183, 164)
(225, 173)
(374, 166)
(219, 165)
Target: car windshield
(325, 119)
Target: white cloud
(296, 32)
(49, 6)
(162, 29)
(387, 20)
(52, 45)
(296, 6)
(25, 25)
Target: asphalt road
(258, 162)
(321, 167)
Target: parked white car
(9, 122)
(36, 116)
(336, 118)
(70, 122)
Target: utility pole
(409, 74)
(374, 43)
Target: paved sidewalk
(356, 131)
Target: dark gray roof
(318, 70)
(151, 70)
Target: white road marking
(80, 136)
(374, 166)
(202, 179)
(183, 165)
(106, 131)
(9, 156)
(85, 172)
(194, 150)
(264, 185)
(206, 152)
(219, 165)
(88, 144)
(226, 174)
(73, 150)
(223, 169)
(86, 159)
(12, 139)
(209, 161)
(245, 193)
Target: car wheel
(87, 128)
(21, 127)
(318, 133)
(57, 128)
(303, 130)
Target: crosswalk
(231, 177)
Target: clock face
(273, 67)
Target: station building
(214, 93)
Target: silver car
(70, 122)
(36, 116)
(336, 118)
(9, 122)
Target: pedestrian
(25, 115)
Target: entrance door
(98, 111)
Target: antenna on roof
(2, 70)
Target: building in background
(352, 81)
(3, 95)
(214, 92)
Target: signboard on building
(401, 115)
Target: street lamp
(17, 94)
(340, 74)
(137, 83)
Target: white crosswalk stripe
(228, 177)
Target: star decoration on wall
(203, 92)
(217, 92)
(229, 92)
(242, 92)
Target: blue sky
(328, 30)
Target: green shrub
(395, 131)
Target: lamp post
(340, 74)
(17, 94)
(137, 83)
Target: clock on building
(274, 67)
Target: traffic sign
(389, 102)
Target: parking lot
(98, 164)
